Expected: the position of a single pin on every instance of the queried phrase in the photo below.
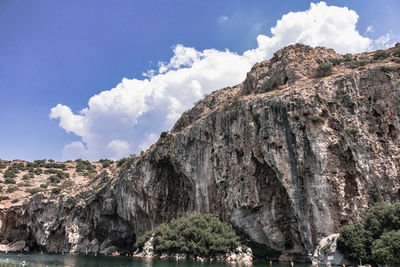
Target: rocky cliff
(305, 143)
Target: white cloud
(383, 42)
(129, 117)
(75, 150)
(370, 29)
(223, 19)
(118, 148)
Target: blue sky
(66, 52)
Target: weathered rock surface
(326, 252)
(286, 165)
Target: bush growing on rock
(381, 54)
(375, 238)
(56, 190)
(324, 69)
(38, 171)
(9, 174)
(9, 180)
(105, 163)
(199, 235)
(11, 189)
(4, 198)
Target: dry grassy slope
(29, 180)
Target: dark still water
(50, 260)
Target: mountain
(308, 141)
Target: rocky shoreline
(239, 255)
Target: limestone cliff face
(287, 157)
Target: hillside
(298, 149)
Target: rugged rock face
(286, 157)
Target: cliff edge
(301, 147)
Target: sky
(102, 79)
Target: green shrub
(9, 174)
(4, 198)
(358, 63)
(381, 54)
(14, 201)
(348, 57)
(105, 163)
(234, 114)
(354, 131)
(39, 163)
(54, 179)
(324, 69)
(386, 250)
(2, 165)
(35, 190)
(38, 171)
(386, 69)
(11, 189)
(67, 184)
(183, 121)
(9, 180)
(163, 135)
(199, 235)
(272, 83)
(317, 119)
(25, 177)
(336, 61)
(56, 190)
(368, 239)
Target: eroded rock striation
(287, 157)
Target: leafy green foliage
(9, 174)
(183, 121)
(9, 180)
(11, 189)
(201, 235)
(38, 171)
(272, 83)
(85, 165)
(163, 135)
(386, 250)
(369, 239)
(381, 54)
(4, 198)
(324, 69)
(105, 163)
(317, 119)
(3, 165)
(36, 190)
(386, 69)
(56, 190)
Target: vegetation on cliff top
(198, 235)
(375, 238)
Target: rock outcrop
(287, 157)
(326, 252)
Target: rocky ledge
(301, 147)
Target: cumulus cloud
(129, 117)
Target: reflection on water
(67, 260)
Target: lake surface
(51, 260)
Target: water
(51, 260)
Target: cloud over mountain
(129, 117)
